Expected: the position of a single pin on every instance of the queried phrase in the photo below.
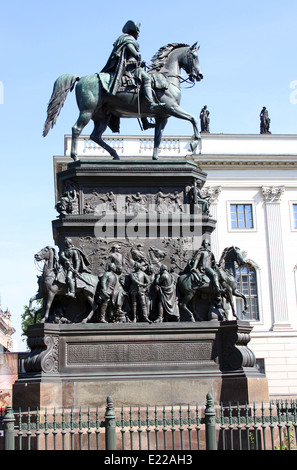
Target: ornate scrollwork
(44, 354)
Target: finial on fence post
(210, 423)
(110, 425)
(8, 422)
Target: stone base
(157, 392)
(139, 364)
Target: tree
(27, 318)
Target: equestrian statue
(64, 277)
(124, 89)
(217, 281)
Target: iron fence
(271, 426)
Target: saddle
(87, 284)
(129, 84)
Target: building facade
(252, 186)
(6, 330)
(8, 359)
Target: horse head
(49, 255)
(239, 258)
(191, 64)
(43, 254)
(185, 55)
(230, 256)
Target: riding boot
(103, 313)
(144, 313)
(134, 312)
(71, 288)
(148, 95)
(218, 289)
(159, 318)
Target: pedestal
(135, 220)
(139, 364)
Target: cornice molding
(263, 161)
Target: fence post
(110, 426)
(8, 422)
(210, 424)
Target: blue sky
(247, 55)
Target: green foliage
(288, 439)
(27, 318)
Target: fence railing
(226, 427)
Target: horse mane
(159, 59)
(223, 255)
(56, 262)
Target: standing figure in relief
(166, 293)
(140, 283)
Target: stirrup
(148, 125)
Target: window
(241, 216)
(294, 207)
(247, 285)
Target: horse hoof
(193, 146)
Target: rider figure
(203, 262)
(125, 57)
(73, 261)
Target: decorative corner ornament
(272, 193)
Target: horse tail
(62, 86)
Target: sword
(79, 276)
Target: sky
(247, 55)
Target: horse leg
(96, 136)
(229, 297)
(178, 112)
(83, 119)
(94, 306)
(38, 296)
(48, 304)
(237, 293)
(159, 128)
(184, 305)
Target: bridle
(189, 80)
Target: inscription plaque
(138, 353)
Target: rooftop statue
(204, 119)
(264, 121)
(123, 89)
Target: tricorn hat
(131, 27)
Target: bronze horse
(189, 287)
(97, 105)
(53, 282)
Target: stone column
(213, 192)
(272, 196)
